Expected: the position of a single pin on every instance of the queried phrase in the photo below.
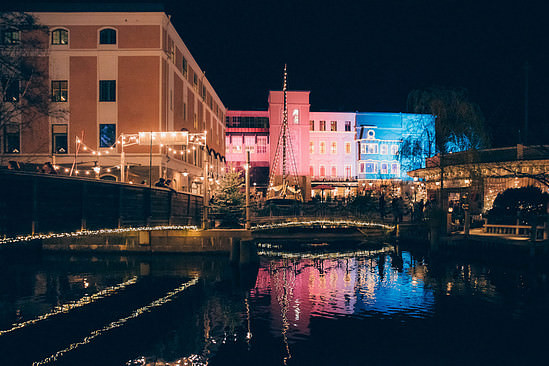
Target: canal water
(318, 305)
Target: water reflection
(297, 307)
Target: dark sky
(367, 55)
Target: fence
(42, 203)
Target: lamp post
(205, 187)
(247, 224)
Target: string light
(27, 238)
(65, 308)
(329, 255)
(322, 223)
(116, 324)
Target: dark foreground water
(377, 306)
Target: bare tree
(24, 84)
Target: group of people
(398, 209)
(164, 183)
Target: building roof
(67, 7)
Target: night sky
(367, 55)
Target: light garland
(116, 324)
(330, 255)
(27, 238)
(323, 223)
(65, 308)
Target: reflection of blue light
(397, 292)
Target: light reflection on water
(288, 310)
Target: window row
(333, 126)
(253, 144)
(374, 148)
(60, 36)
(60, 91)
(333, 147)
(59, 137)
(322, 172)
(381, 168)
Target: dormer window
(107, 36)
(59, 37)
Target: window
(347, 171)
(59, 139)
(311, 125)
(347, 126)
(362, 167)
(261, 144)
(295, 116)
(237, 144)
(237, 148)
(368, 149)
(107, 135)
(12, 138)
(311, 147)
(322, 126)
(334, 171)
(371, 134)
(333, 126)
(10, 89)
(394, 149)
(370, 167)
(195, 79)
(384, 168)
(107, 36)
(107, 90)
(227, 141)
(12, 37)
(184, 67)
(322, 171)
(384, 149)
(249, 141)
(334, 147)
(59, 90)
(347, 148)
(395, 169)
(311, 171)
(322, 147)
(59, 37)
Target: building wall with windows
(332, 147)
(123, 73)
(378, 137)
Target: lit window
(347, 148)
(107, 90)
(394, 149)
(261, 144)
(370, 167)
(384, 168)
(311, 147)
(59, 139)
(12, 37)
(322, 147)
(249, 141)
(295, 116)
(59, 37)
(322, 171)
(334, 147)
(184, 67)
(10, 89)
(311, 125)
(347, 171)
(333, 126)
(383, 149)
(368, 149)
(59, 90)
(347, 126)
(334, 171)
(107, 36)
(12, 138)
(107, 135)
(322, 126)
(395, 169)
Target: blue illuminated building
(380, 137)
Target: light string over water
(65, 308)
(118, 323)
